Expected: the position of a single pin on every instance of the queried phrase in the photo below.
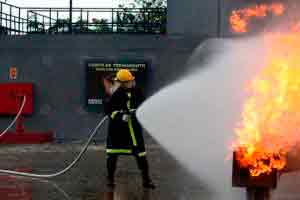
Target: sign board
(99, 75)
(13, 73)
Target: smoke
(194, 118)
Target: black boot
(143, 166)
(148, 184)
(111, 168)
(110, 182)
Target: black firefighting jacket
(125, 137)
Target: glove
(125, 117)
(132, 111)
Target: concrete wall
(204, 17)
(193, 17)
(55, 65)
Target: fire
(240, 19)
(270, 125)
(295, 27)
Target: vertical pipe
(35, 23)
(19, 21)
(13, 24)
(80, 18)
(112, 20)
(144, 14)
(88, 16)
(0, 14)
(219, 19)
(71, 16)
(43, 23)
(50, 14)
(27, 21)
(10, 19)
(118, 20)
(150, 20)
(22, 25)
(57, 16)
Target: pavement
(87, 180)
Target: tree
(101, 26)
(61, 25)
(3, 30)
(34, 26)
(155, 14)
(152, 18)
(127, 21)
(151, 3)
(146, 4)
(81, 26)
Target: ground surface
(87, 180)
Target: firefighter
(110, 85)
(124, 131)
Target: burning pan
(241, 177)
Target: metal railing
(19, 21)
(11, 20)
(102, 20)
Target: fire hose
(15, 119)
(70, 166)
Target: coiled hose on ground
(77, 159)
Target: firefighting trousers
(141, 162)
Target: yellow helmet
(124, 75)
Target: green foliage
(61, 23)
(35, 26)
(152, 19)
(3, 30)
(142, 16)
(59, 26)
(81, 26)
(151, 3)
(101, 26)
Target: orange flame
(295, 27)
(240, 19)
(270, 125)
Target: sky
(65, 3)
